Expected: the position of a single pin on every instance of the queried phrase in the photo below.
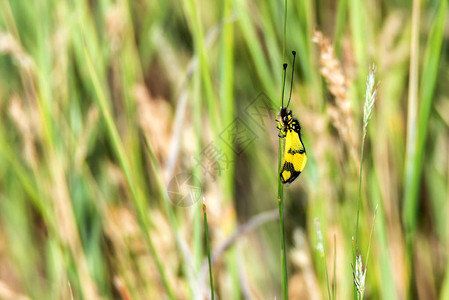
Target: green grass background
(104, 102)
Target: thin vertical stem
(412, 119)
(410, 186)
(208, 252)
(280, 185)
(360, 196)
(283, 254)
(355, 245)
(334, 280)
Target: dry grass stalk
(341, 112)
(24, 125)
(115, 26)
(9, 45)
(93, 116)
(154, 118)
(304, 281)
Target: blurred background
(118, 118)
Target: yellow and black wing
(295, 157)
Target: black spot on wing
(288, 166)
(294, 151)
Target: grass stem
(206, 227)
(322, 251)
(280, 185)
(370, 98)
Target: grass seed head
(370, 97)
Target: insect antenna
(283, 85)
(293, 72)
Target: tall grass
(359, 269)
(280, 197)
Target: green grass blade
(420, 124)
(206, 228)
(123, 161)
